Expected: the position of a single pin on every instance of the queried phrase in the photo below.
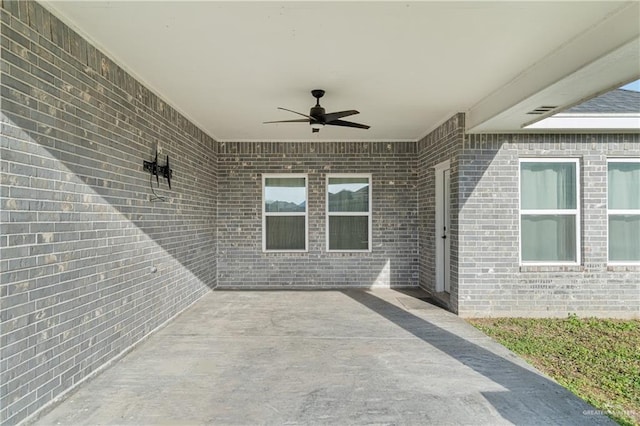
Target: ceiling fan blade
(301, 120)
(336, 115)
(344, 123)
(299, 113)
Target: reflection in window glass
(348, 194)
(285, 195)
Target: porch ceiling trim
(567, 76)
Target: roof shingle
(616, 101)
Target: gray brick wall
(442, 144)
(491, 281)
(80, 236)
(394, 258)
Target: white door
(443, 226)
(446, 265)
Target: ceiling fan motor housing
(317, 112)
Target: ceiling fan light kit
(317, 117)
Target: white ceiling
(406, 66)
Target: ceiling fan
(317, 118)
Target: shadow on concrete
(529, 398)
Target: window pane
(624, 238)
(348, 233)
(548, 238)
(285, 195)
(349, 194)
(624, 185)
(285, 232)
(548, 185)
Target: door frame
(442, 271)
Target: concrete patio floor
(320, 357)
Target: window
(349, 212)
(284, 218)
(623, 207)
(549, 213)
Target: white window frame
(575, 211)
(619, 211)
(305, 213)
(368, 214)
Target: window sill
(551, 268)
(624, 268)
(285, 252)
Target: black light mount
(157, 170)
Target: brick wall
(491, 281)
(394, 258)
(444, 143)
(80, 236)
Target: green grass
(597, 359)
